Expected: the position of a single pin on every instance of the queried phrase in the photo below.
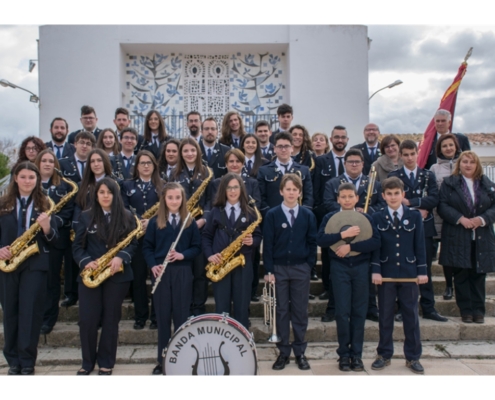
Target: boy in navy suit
(402, 257)
(289, 251)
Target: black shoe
(415, 366)
(15, 370)
(448, 294)
(324, 295)
(380, 363)
(314, 277)
(68, 302)
(345, 364)
(153, 325)
(311, 296)
(157, 370)
(302, 362)
(280, 363)
(398, 317)
(82, 371)
(27, 371)
(45, 329)
(435, 317)
(357, 364)
(108, 372)
(467, 319)
(255, 298)
(372, 317)
(328, 318)
(478, 319)
(138, 325)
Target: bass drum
(211, 344)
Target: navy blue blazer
(118, 167)
(152, 147)
(422, 194)
(324, 171)
(217, 161)
(365, 247)
(270, 152)
(284, 244)
(68, 167)
(367, 159)
(252, 189)
(218, 234)
(309, 160)
(68, 151)
(138, 196)
(8, 233)
(157, 242)
(402, 253)
(72, 136)
(190, 186)
(269, 177)
(332, 190)
(88, 246)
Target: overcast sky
(425, 57)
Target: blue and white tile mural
(174, 84)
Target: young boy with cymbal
(349, 274)
(397, 268)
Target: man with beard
(193, 121)
(370, 148)
(328, 166)
(88, 121)
(213, 152)
(59, 128)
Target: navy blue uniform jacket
(217, 160)
(252, 189)
(138, 196)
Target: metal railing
(4, 184)
(489, 171)
(176, 124)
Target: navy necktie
(236, 143)
(208, 155)
(264, 151)
(21, 216)
(396, 219)
(372, 153)
(155, 140)
(107, 217)
(83, 164)
(292, 218)
(341, 165)
(411, 178)
(127, 162)
(355, 181)
(286, 167)
(232, 216)
(174, 221)
(59, 151)
(249, 166)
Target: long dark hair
(162, 133)
(89, 180)
(116, 145)
(221, 197)
(55, 179)
(155, 176)
(8, 201)
(226, 137)
(163, 211)
(259, 160)
(199, 168)
(306, 144)
(120, 221)
(162, 160)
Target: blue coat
(69, 169)
(217, 161)
(137, 196)
(68, 151)
(118, 167)
(422, 194)
(252, 189)
(402, 253)
(324, 171)
(190, 186)
(366, 155)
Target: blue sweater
(365, 247)
(288, 245)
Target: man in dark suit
(370, 148)
(264, 134)
(59, 128)
(193, 121)
(122, 121)
(88, 121)
(285, 115)
(213, 152)
(443, 122)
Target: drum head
(210, 344)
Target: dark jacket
(191, 186)
(367, 159)
(138, 196)
(217, 161)
(68, 151)
(118, 167)
(456, 240)
(324, 171)
(69, 169)
(72, 136)
(252, 189)
(463, 143)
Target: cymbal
(342, 221)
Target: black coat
(71, 137)
(118, 167)
(456, 240)
(432, 157)
(217, 160)
(68, 151)
(69, 169)
(367, 159)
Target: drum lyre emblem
(211, 361)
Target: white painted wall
(327, 67)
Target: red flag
(447, 103)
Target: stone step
(146, 354)
(67, 334)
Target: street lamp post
(396, 83)
(33, 98)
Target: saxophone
(94, 277)
(150, 212)
(192, 203)
(20, 249)
(216, 272)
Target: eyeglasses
(285, 147)
(88, 144)
(232, 188)
(353, 162)
(339, 137)
(145, 163)
(88, 118)
(129, 138)
(32, 148)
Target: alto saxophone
(20, 248)
(149, 213)
(94, 277)
(216, 272)
(192, 204)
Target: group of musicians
(127, 197)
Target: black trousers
(172, 302)
(200, 285)
(139, 289)
(53, 287)
(101, 304)
(327, 281)
(407, 293)
(292, 288)
(470, 288)
(256, 270)
(22, 296)
(71, 273)
(235, 288)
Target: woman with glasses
(29, 150)
(390, 159)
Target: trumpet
(270, 307)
